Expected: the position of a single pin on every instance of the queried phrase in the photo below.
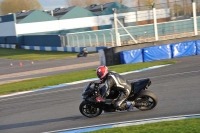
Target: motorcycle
(82, 54)
(93, 104)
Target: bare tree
(187, 8)
(139, 4)
(168, 4)
(149, 2)
(146, 4)
(13, 6)
(177, 9)
(84, 3)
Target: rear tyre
(85, 55)
(89, 110)
(146, 100)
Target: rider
(116, 82)
(84, 50)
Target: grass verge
(22, 54)
(179, 126)
(71, 76)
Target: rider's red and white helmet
(102, 71)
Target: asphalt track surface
(176, 86)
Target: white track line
(125, 123)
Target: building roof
(35, 16)
(77, 12)
(98, 8)
(22, 14)
(59, 12)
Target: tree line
(14, 6)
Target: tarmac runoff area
(19, 76)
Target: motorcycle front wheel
(89, 110)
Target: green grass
(71, 76)
(179, 126)
(22, 54)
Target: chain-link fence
(91, 38)
(173, 20)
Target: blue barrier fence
(198, 47)
(8, 40)
(165, 51)
(48, 48)
(157, 53)
(183, 49)
(131, 56)
(12, 46)
(64, 49)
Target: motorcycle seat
(139, 84)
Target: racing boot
(122, 107)
(130, 105)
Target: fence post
(67, 40)
(116, 28)
(90, 40)
(63, 38)
(194, 17)
(83, 39)
(104, 38)
(96, 39)
(73, 41)
(77, 40)
(112, 39)
(155, 22)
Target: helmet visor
(99, 74)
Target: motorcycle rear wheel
(89, 110)
(148, 99)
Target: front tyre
(146, 100)
(89, 110)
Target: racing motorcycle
(93, 104)
(82, 54)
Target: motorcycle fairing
(139, 85)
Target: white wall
(105, 19)
(78, 23)
(148, 15)
(7, 29)
(56, 25)
(28, 28)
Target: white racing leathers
(116, 82)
